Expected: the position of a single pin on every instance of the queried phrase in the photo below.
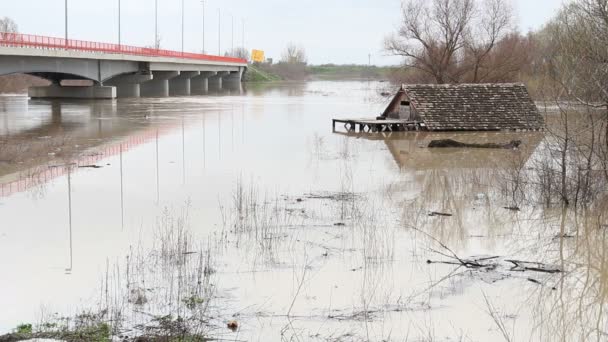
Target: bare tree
(431, 35)
(238, 53)
(572, 167)
(579, 60)
(241, 53)
(452, 41)
(7, 25)
(294, 54)
(495, 19)
(8, 28)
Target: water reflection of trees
(569, 167)
(459, 182)
(566, 307)
(499, 197)
(576, 309)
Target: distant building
(466, 107)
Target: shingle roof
(474, 107)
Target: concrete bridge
(115, 70)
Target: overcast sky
(331, 31)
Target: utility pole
(119, 40)
(219, 32)
(182, 27)
(66, 22)
(156, 24)
(243, 33)
(203, 1)
(232, 34)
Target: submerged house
(465, 107)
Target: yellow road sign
(257, 56)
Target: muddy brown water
(338, 245)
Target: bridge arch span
(57, 69)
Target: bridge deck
(20, 40)
(375, 125)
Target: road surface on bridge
(116, 70)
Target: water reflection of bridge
(86, 132)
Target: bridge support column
(232, 82)
(128, 85)
(180, 85)
(233, 77)
(215, 82)
(199, 85)
(159, 85)
(73, 92)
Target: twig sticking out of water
(520, 266)
(453, 255)
(497, 319)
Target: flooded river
(245, 209)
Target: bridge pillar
(233, 77)
(128, 85)
(159, 85)
(200, 84)
(72, 92)
(215, 82)
(180, 85)
(232, 82)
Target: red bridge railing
(42, 42)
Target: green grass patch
(255, 74)
(349, 71)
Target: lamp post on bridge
(182, 28)
(156, 24)
(203, 3)
(219, 32)
(66, 21)
(119, 40)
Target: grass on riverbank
(255, 74)
(349, 71)
(162, 292)
(286, 72)
(86, 329)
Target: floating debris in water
(233, 325)
(335, 196)
(444, 143)
(435, 213)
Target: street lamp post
(219, 32)
(182, 27)
(156, 24)
(203, 3)
(66, 22)
(119, 21)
